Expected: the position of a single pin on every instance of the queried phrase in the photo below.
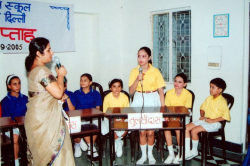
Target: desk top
(85, 113)
(6, 122)
(20, 120)
(166, 111)
(166, 125)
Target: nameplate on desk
(144, 120)
(74, 124)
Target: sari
(47, 132)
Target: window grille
(180, 59)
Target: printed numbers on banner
(11, 47)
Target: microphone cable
(140, 121)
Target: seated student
(67, 94)
(85, 98)
(14, 105)
(178, 96)
(116, 99)
(213, 110)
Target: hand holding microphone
(60, 70)
(140, 75)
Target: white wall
(109, 33)
(136, 20)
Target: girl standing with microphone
(150, 82)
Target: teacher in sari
(47, 133)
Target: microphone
(57, 61)
(140, 71)
(58, 64)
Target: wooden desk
(119, 112)
(6, 124)
(88, 115)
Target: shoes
(151, 159)
(78, 151)
(170, 159)
(142, 160)
(177, 159)
(119, 148)
(83, 145)
(193, 154)
(180, 159)
(95, 154)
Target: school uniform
(152, 81)
(184, 99)
(213, 108)
(14, 107)
(111, 101)
(80, 100)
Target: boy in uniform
(213, 110)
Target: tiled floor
(234, 159)
(126, 159)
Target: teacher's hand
(61, 71)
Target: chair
(105, 93)
(98, 87)
(161, 134)
(193, 98)
(208, 136)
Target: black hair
(88, 76)
(183, 76)
(114, 81)
(37, 44)
(148, 51)
(9, 82)
(220, 83)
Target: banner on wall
(23, 20)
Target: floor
(235, 159)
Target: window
(172, 43)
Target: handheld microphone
(57, 61)
(140, 71)
(58, 64)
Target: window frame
(170, 12)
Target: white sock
(187, 144)
(151, 159)
(195, 146)
(77, 145)
(16, 162)
(150, 150)
(144, 154)
(144, 150)
(171, 150)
